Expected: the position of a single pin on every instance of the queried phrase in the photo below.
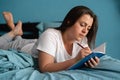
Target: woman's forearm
(53, 67)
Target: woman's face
(81, 27)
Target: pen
(80, 45)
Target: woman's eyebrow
(87, 24)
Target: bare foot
(18, 29)
(9, 19)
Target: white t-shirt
(51, 42)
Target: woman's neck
(68, 43)
(66, 38)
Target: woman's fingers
(92, 62)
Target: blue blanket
(16, 65)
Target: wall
(108, 12)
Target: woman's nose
(84, 30)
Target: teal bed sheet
(16, 65)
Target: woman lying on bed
(48, 62)
(83, 21)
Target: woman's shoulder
(51, 29)
(51, 33)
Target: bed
(17, 65)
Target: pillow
(44, 25)
(40, 27)
(51, 24)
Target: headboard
(29, 30)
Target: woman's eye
(82, 25)
(88, 28)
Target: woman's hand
(83, 53)
(92, 62)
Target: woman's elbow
(43, 69)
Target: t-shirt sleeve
(47, 42)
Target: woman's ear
(68, 22)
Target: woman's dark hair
(73, 15)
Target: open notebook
(99, 52)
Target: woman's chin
(79, 39)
